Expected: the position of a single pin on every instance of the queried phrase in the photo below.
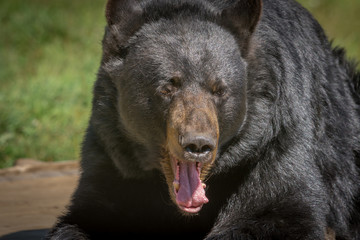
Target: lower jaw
(191, 210)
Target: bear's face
(182, 89)
(181, 83)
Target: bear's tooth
(176, 185)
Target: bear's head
(180, 72)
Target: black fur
(290, 170)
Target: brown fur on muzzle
(192, 135)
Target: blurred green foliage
(340, 20)
(49, 55)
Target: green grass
(340, 18)
(49, 55)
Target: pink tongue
(191, 193)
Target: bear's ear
(124, 19)
(242, 19)
(122, 11)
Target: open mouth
(190, 149)
(188, 188)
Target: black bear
(219, 120)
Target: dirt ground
(33, 194)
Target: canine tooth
(203, 185)
(176, 185)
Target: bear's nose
(198, 147)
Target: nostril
(191, 148)
(206, 149)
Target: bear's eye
(219, 90)
(167, 90)
(170, 88)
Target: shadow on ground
(26, 235)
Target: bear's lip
(188, 188)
